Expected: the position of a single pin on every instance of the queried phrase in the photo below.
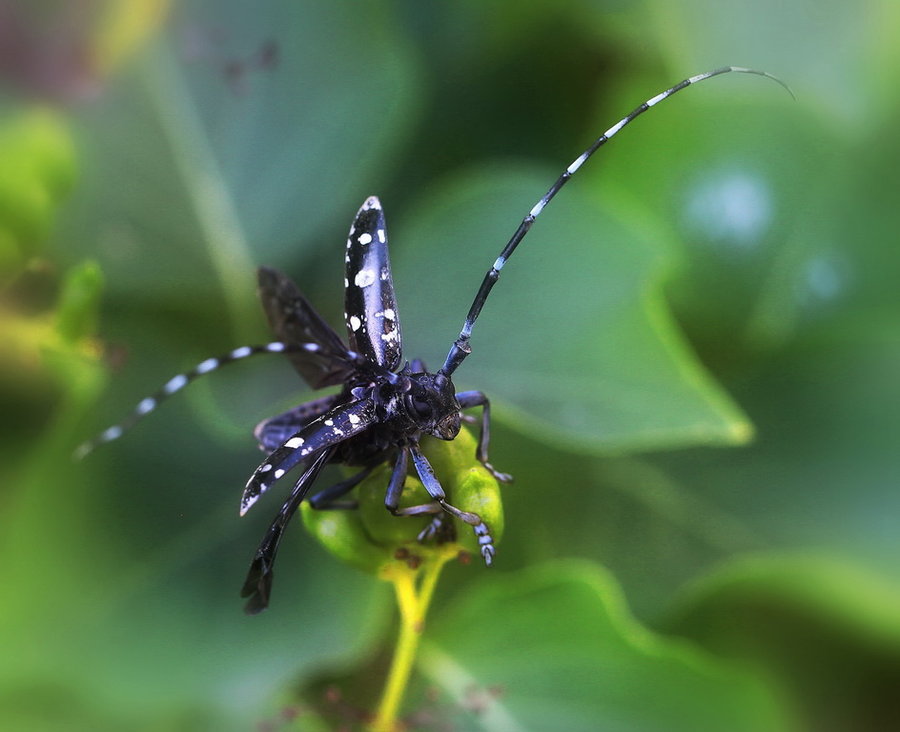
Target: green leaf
(575, 343)
(814, 51)
(560, 643)
(209, 161)
(827, 630)
(823, 472)
(740, 192)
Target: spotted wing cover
(294, 321)
(334, 426)
(370, 305)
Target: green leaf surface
(575, 343)
(207, 161)
(559, 641)
(842, 57)
(827, 630)
(743, 210)
(823, 471)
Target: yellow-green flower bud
(371, 536)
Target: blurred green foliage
(693, 358)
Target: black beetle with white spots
(385, 405)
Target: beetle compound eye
(420, 407)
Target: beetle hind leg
(327, 499)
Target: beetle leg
(430, 481)
(272, 433)
(468, 399)
(326, 500)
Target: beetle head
(431, 404)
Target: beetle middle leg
(326, 499)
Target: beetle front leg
(395, 490)
(430, 481)
(467, 400)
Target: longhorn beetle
(383, 407)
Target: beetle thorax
(425, 401)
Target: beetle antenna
(178, 382)
(461, 348)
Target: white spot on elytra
(353, 419)
(364, 278)
(390, 314)
(355, 323)
(381, 236)
(294, 442)
(365, 238)
(278, 473)
(265, 468)
(247, 503)
(329, 423)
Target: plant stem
(413, 600)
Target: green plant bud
(476, 490)
(79, 302)
(470, 486)
(385, 528)
(372, 536)
(449, 457)
(342, 533)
